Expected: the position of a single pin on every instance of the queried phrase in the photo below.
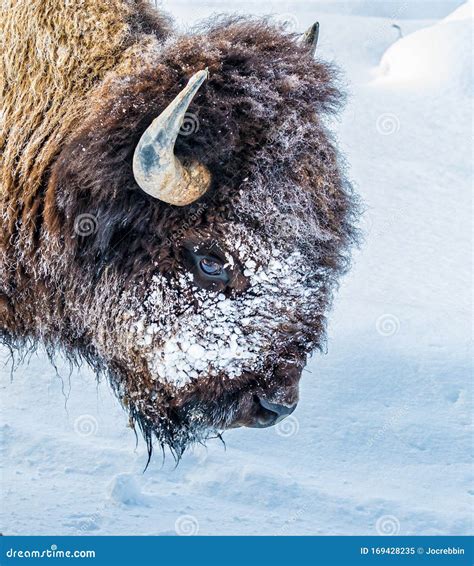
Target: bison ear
(156, 169)
(310, 38)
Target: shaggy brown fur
(53, 57)
(81, 84)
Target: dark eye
(211, 266)
(208, 268)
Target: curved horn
(155, 167)
(310, 38)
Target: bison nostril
(280, 410)
(266, 414)
(258, 412)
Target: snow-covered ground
(381, 440)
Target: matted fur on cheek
(186, 333)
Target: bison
(174, 210)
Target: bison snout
(261, 412)
(269, 414)
(271, 405)
(272, 401)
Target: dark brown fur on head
(275, 172)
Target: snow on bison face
(223, 338)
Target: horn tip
(202, 74)
(310, 38)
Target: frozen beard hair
(190, 336)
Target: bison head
(196, 228)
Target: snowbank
(438, 57)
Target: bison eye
(209, 269)
(210, 266)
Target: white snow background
(381, 440)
